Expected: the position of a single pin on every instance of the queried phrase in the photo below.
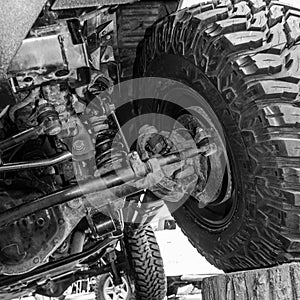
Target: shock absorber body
(109, 149)
(110, 144)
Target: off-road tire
(147, 270)
(243, 58)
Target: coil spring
(109, 146)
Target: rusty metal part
(57, 268)
(48, 116)
(25, 244)
(57, 97)
(136, 164)
(48, 55)
(120, 130)
(77, 242)
(21, 137)
(81, 144)
(174, 182)
(36, 164)
(100, 35)
(17, 17)
(102, 224)
(150, 141)
(111, 187)
(71, 4)
(23, 101)
(110, 142)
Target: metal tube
(63, 196)
(21, 137)
(77, 242)
(58, 267)
(120, 131)
(36, 164)
(111, 187)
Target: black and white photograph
(149, 150)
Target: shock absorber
(109, 149)
(110, 145)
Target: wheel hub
(116, 292)
(214, 160)
(201, 177)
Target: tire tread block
(248, 51)
(147, 264)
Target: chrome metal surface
(116, 292)
(21, 137)
(48, 55)
(36, 164)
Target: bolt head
(36, 260)
(79, 145)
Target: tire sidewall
(209, 239)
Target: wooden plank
(277, 283)
(133, 20)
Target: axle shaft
(111, 186)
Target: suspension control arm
(112, 186)
(20, 138)
(25, 165)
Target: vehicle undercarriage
(113, 111)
